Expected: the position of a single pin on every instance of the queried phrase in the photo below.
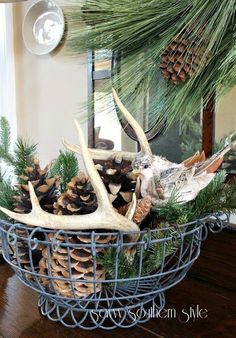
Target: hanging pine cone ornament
(181, 58)
(47, 189)
(118, 179)
(79, 199)
(79, 264)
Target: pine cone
(142, 210)
(79, 199)
(80, 265)
(46, 189)
(181, 58)
(20, 254)
(117, 177)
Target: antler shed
(105, 217)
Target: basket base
(102, 318)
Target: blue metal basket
(113, 301)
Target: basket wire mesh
(113, 301)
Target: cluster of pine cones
(78, 199)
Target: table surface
(209, 285)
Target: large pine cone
(79, 265)
(117, 177)
(181, 58)
(79, 199)
(46, 189)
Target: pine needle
(66, 166)
(152, 258)
(5, 141)
(7, 193)
(24, 153)
(217, 196)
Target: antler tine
(100, 154)
(145, 148)
(99, 188)
(35, 214)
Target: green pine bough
(151, 258)
(140, 30)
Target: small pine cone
(142, 210)
(46, 189)
(117, 177)
(181, 58)
(79, 199)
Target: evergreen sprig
(66, 166)
(5, 141)
(152, 258)
(22, 154)
(217, 196)
(7, 193)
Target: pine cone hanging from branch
(181, 57)
(47, 189)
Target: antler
(144, 145)
(105, 217)
(98, 154)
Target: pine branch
(126, 268)
(24, 153)
(154, 257)
(7, 194)
(66, 166)
(5, 141)
(151, 258)
(217, 196)
(174, 212)
(141, 30)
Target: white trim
(7, 68)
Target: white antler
(145, 148)
(99, 154)
(105, 217)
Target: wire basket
(110, 300)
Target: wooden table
(210, 285)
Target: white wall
(226, 114)
(49, 92)
(226, 120)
